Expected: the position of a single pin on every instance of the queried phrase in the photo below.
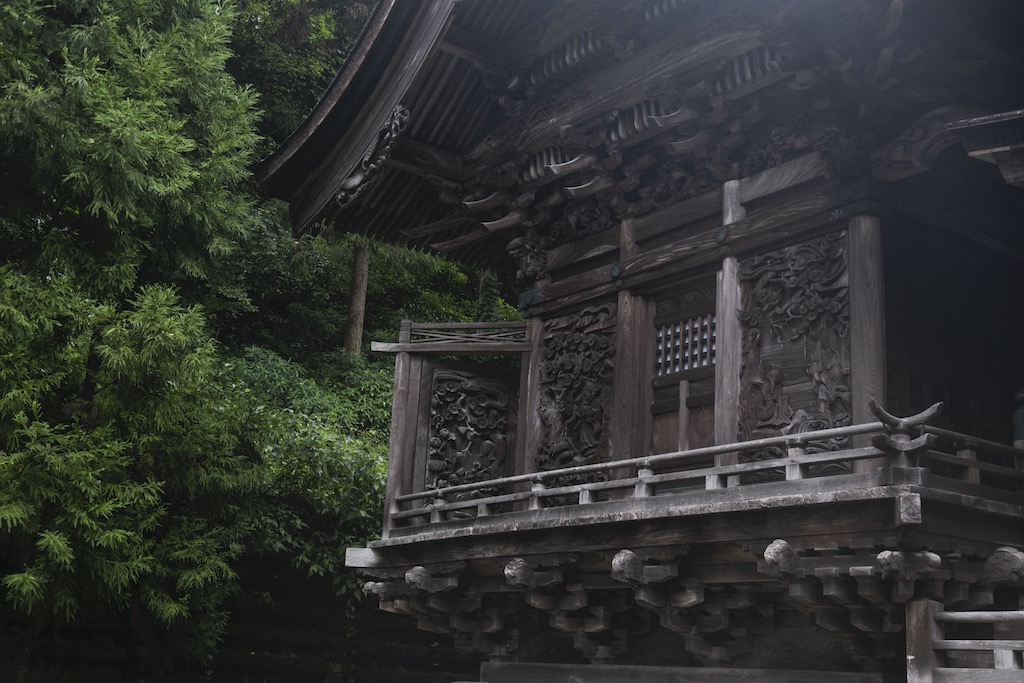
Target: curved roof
(491, 86)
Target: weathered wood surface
(961, 675)
(922, 632)
(754, 232)
(630, 343)
(529, 437)
(855, 514)
(926, 639)
(867, 316)
(491, 338)
(480, 348)
(677, 215)
(399, 438)
(728, 355)
(784, 177)
(508, 672)
(622, 84)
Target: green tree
(126, 474)
(290, 50)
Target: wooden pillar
(631, 341)
(729, 335)
(922, 631)
(728, 354)
(530, 431)
(630, 401)
(867, 323)
(398, 442)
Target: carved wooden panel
(795, 316)
(469, 439)
(576, 370)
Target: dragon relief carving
(795, 312)
(373, 160)
(468, 434)
(575, 392)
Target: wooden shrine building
(758, 423)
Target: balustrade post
(642, 489)
(795, 471)
(537, 487)
(435, 509)
(969, 473)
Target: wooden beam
(466, 45)
(514, 672)
(461, 240)
(437, 226)
(422, 159)
(621, 85)
(453, 348)
(703, 248)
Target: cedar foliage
(172, 394)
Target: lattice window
(685, 345)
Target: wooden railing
(930, 653)
(491, 338)
(954, 462)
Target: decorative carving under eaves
(373, 160)
(468, 434)
(575, 389)
(916, 148)
(580, 218)
(795, 317)
(847, 151)
(530, 258)
(676, 179)
(745, 70)
(581, 47)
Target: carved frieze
(795, 318)
(468, 433)
(575, 388)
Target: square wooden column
(867, 322)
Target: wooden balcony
(830, 533)
(907, 473)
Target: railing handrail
(662, 459)
(974, 442)
(678, 457)
(994, 616)
(474, 339)
(505, 324)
